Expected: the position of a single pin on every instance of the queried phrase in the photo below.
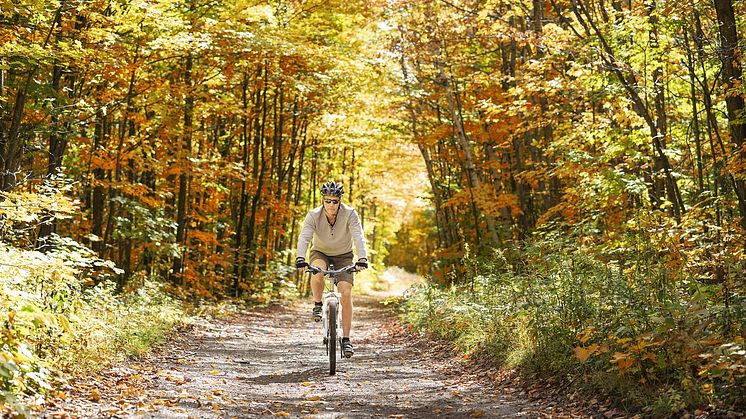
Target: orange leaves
(436, 134)
(459, 199)
(567, 210)
(737, 163)
(584, 353)
(487, 201)
(502, 133)
(509, 201)
(204, 237)
(626, 355)
(103, 162)
(531, 177)
(640, 354)
(623, 361)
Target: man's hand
(300, 263)
(361, 264)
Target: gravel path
(271, 362)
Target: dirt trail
(271, 363)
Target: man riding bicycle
(334, 227)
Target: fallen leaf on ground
(176, 380)
(94, 395)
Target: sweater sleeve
(306, 234)
(358, 235)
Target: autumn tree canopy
(195, 134)
(185, 140)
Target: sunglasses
(331, 201)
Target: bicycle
(331, 312)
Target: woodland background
(568, 173)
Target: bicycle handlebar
(346, 269)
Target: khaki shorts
(339, 261)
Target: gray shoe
(347, 349)
(316, 313)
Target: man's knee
(345, 288)
(319, 263)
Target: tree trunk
(699, 169)
(661, 161)
(474, 183)
(630, 84)
(57, 145)
(260, 168)
(713, 133)
(97, 201)
(732, 79)
(11, 145)
(243, 199)
(183, 197)
(439, 215)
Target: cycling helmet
(332, 188)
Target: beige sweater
(332, 240)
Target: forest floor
(270, 362)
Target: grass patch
(114, 327)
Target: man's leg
(317, 281)
(345, 288)
(317, 288)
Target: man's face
(331, 205)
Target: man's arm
(306, 234)
(358, 235)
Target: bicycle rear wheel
(331, 342)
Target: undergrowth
(656, 342)
(57, 326)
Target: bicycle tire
(331, 343)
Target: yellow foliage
(30, 207)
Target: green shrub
(53, 324)
(646, 335)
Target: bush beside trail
(654, 345)
(56, 327)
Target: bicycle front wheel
(331, 342)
